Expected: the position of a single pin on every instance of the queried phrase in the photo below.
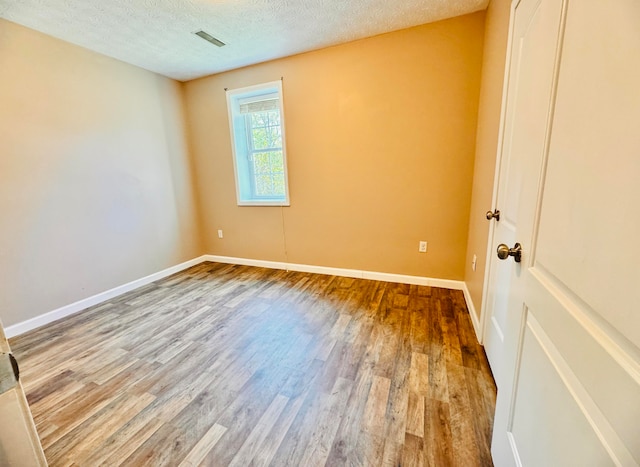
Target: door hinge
(9, 372)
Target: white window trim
(231, 94)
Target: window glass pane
(266, 132)
(261, 163)
(274, 137)
(276, 161)
(264, 185)
(274, 118)
(278, 185)
(261, 138)
(268, 173)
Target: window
(256, 120)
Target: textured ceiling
(158, 34)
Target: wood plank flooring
(234, 365)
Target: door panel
(604, 374)
(542, 394)
(529, 87)
(570, 392)
(586, 265)
(589, 227)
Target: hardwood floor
(234, 365)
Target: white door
(19, 442)
(528, 88)
(569, 389)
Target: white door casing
(19, 442)
(569, 388)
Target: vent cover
(210, 38)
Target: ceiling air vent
(210, 38)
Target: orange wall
(95, 177)
(380, 140)
(495, 48)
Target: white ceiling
(158, 34)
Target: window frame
(241, 168)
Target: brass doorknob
(504, 252)
(493, 215)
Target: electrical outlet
(422, 248)
(474, 262)
(220, 233)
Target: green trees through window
(266, 153)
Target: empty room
(305, 233)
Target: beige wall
(95, 180)
(495, 47)
(380, 139)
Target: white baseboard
(472, 312)
(51, 316)
(356, 273)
